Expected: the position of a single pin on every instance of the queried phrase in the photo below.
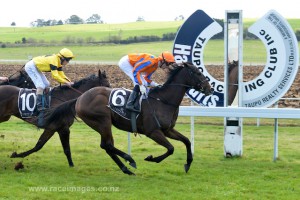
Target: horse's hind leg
(47, 134)
(113, 152)
(159, 137)
(64, 136)
(115, 158)
(173, 134)
(107, 141)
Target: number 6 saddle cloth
(27, 102)
(117, 102)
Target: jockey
(140, 67)
(50, 63)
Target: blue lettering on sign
(188, 47)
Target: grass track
(254, 176)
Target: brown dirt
(118, 79)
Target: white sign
(282, 61)
(189, 46)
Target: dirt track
(118, 79)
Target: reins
(153, 112)
(79, 92)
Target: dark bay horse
(232, 80)
(156, 120)
(9, 106)
(19, 79)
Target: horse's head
(93, 81)
(103, 80)
(195, 79)
(232, 65)
(20, 79)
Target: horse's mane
(77, 84)
(176, 67)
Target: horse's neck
(68, 93)
(173, 93)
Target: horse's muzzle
(211, 91)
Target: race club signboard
(282, 61)
(189, 46)
(271, 84)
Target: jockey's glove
(153, 84)
(143, 89)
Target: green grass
(100, 32)
(253, 176)
(87, 53)
(254, 51)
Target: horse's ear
(104, 74)
(99, 73)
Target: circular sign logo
(282, 61)
(189, 46)
(273, 82)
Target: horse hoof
(149, 158)
(14, 155)
(131, 174)
(125, 170)
(186, 168)
(133, 164)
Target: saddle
(27, 102)
(117, 101)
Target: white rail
(242, 112)
(284, 113)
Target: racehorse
(19, 79)
(9, 106)
(157, 119)
(232, 81)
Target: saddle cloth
(117, 102)
(27, 102)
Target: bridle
(197, 87)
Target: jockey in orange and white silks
(52, 63)
(140, 67)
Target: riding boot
(133, 98)
(40, 109)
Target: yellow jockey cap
(66, 53)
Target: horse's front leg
(47, 134)
(173, 134)
(159, 137)
(64, 136)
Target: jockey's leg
(134, 96)
(40, 99)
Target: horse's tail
(62, 115)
